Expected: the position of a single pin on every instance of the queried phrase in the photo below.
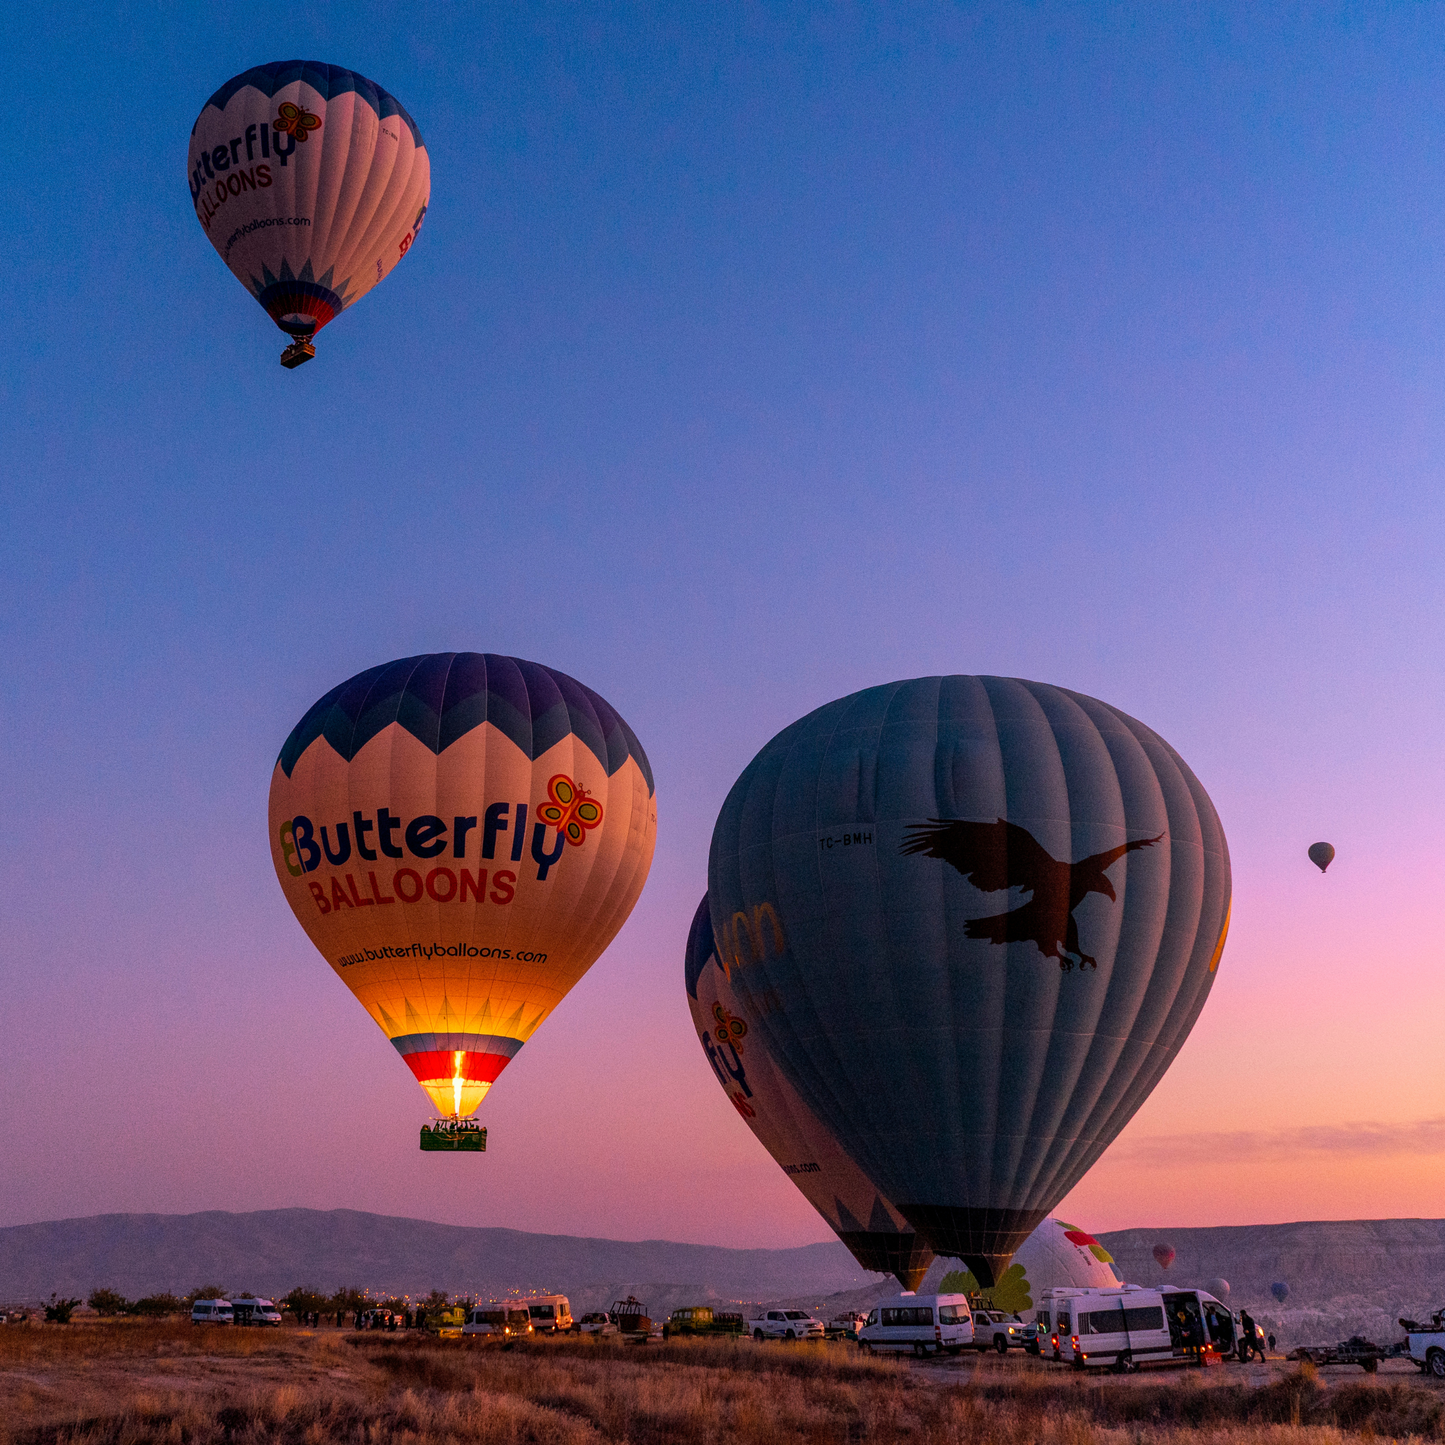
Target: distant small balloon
(1164, 1255)
(1322, 855)
(1280, 1290)
(1219, 1288)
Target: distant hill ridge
(1388, 1264)
(270, 1251)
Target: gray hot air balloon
(973, 919)
(1322, 855)
(878, 1236)
(1280, 1290)
(1219, 1288)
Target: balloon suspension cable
(300, 350)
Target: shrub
(108, 1302)
(156, 1305)
(59, 1311)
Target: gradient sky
(749, 356)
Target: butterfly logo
(570, 809)
(730, 1029)
(295, 121)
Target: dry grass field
(124, 1383)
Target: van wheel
(1370, 1366)
(1435, 1363)
(1000, 1344)
(1078, 1362)
(920, 1352)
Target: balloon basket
(296, 353)
(452, 1136)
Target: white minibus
(551, 1314)
(507, 1321)
(212, 1312)
(1131, 1326)
(921, 1324)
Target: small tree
(303, 1298)
(349, 1299)
(156, 1305)
(108, 1302)
(438, 1299)
(58, 1311)
(206, 1291)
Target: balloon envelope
(311, 182)
(1056, 1255)
(878, 1236)
(461, 835)
(1322, 855)
(1219, 1288)
(973, 920)
(1280, 1290)
(1163, 1255)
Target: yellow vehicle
(448, 1324)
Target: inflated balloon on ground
(312, 183)
(878, 1236)
(973, 920)
(1055, 1255)
(461, 835)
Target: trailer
(1356, 1350)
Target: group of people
(389, 1319)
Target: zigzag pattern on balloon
(442, 697)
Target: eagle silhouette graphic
(999, 855)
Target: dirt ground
(129, 1382)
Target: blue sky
(749, 356)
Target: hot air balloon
(1280, 1290)
(1322, 855)
(1055, 1255)
(461, 835)
(876, 1234)
(973, 920)
(1219, 1288)
(1163, 1255)
(312, 183)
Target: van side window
(952, 1314)
(909, 1315)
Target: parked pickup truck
(1427, 1344)
(785, 1325)
(1000, 1331)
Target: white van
(212, 1312)
(551, 1314)
(921, 1324)
(498, 1321)
(1054, 1316)
(255, 1312)
(1131, 1326)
